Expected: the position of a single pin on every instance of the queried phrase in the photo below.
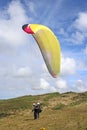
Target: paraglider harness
(40, 110)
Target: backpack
(40, 110)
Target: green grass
(16, 114)
(50, 96)
(24, 102)
(58, 106)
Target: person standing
(35, 110)
(39, 108)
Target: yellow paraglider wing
(48, 44)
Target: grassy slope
(60, 112)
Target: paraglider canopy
(48, 44)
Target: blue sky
(22, 68)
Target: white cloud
(61, 85)
(77, 37)
(3, 71)
(44, 69)
(82, 66)
(14, 71)
(81, 22)
(80, 29)
(63, 32)
(81, 86)
(23, 72)
(76, 33)
(44, 84)
(85, 50)
(39, 83)
(31, 7)
(11, 24)
(68, 66)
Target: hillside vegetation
(67, 111)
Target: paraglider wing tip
(54, 75)
(27, 29)
(24, 26)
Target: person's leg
(38, 114)
(35, 115)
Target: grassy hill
(67, 111)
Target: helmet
(34, 104)
(38, 103)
